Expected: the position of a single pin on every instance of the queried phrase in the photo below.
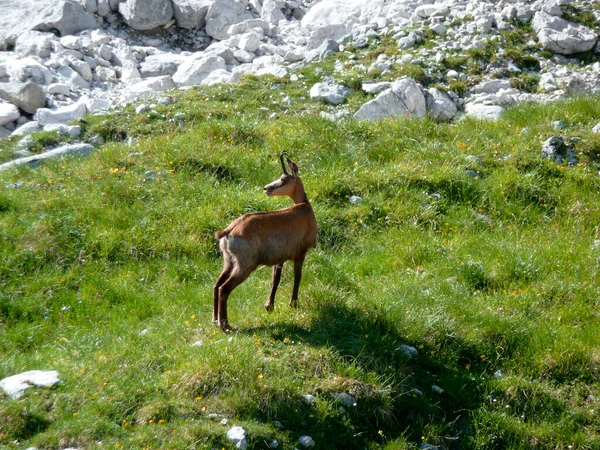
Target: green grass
(488, 267)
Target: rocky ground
(61, 60)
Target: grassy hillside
(467, 246)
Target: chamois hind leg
(236, 278)
(226, 273)
(297, 277)
(270, 305)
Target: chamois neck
(299, 196)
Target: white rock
(154, 84)
(404, 98)
(15, 385)
(376, 88)
(306, 441)
(480, 111)
(491, 86)
(344, 399)
(64, 150)
(224, 13)
(8, 113)
(440, 106)
(249, 42)
(27, 128)
(237, 435)
(106, 74)
(244, 56)
(67, 17)
(146, 14)
(219, 76)
(71, 42)
(97, 104)
(271, 11)
(104, 8)
(27, 96)
(330, 92)
(64, 114)
(191, 13)
(161, 64)
(308, 399)
(561, 36)
(71, 130)
(596, 128)
(82, 68)
(26, 69)
(90, 6)
(34, 43)
(195, 70)
(72, 78)
(130, 75)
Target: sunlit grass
(467, 246)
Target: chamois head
(289, 182)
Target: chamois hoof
(269, 307)
(225, 327)
(293, 304)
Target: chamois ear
(293, 167)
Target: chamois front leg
(270, 305)
(297, 277)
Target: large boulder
(27, 96)
(146, 14)
(196, 69)
(224, 13)
(22, 70)
(330, 92)
(8, 113)
(483, 112)
(333, 19)
(35, 160)
(404, 98)
(440, 106)
(561, 36)
(34, 43)
(66, 16)
(161, 64)
(64, 114)
(191, 13)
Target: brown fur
(269, 239)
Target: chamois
(270, 239)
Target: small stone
(559, 124)
(306, 441)
(355, 200)
(224, 421)
(426, 446)
(15, 385)
(278, 424)
(596, 128)
(416, 392)
(344, 399)
(237, 435)
(140, 109)
(308, 399)
(437, 389)
(408, 351)
(273, 443)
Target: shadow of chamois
(413, 394)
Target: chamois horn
(281, 155)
